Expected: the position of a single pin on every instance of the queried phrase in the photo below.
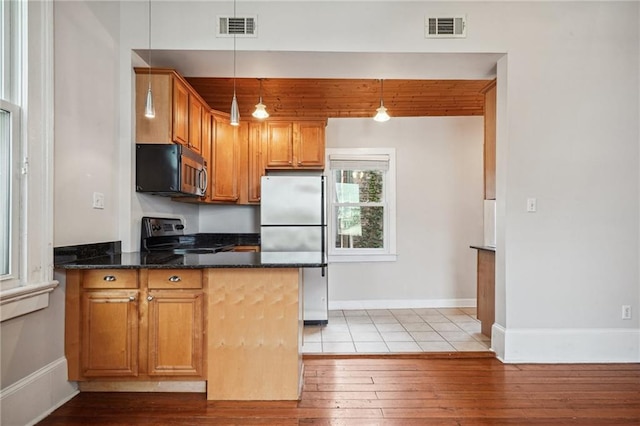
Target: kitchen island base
(254, 323)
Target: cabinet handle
(149, 298)
(109, 278)
(175, 279)
(132, 298)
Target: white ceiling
(278, 64)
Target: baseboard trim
(401, 304)
(146, 386)
(34, 397)
(574, 346)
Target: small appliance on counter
(170, 170)
(292, 219)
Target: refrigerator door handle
(323, 273)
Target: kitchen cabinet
(206, 149)
(134, 324)
(490, 141)
(255, 164)
(195, 124)
(178, 109)
(110, 333)
(175, 304)
(292, 145)
(224, 160)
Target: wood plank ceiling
(323, 98)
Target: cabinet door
(175, 333)
(255, 167)
(109, 339)
(279, 145)
(195, 124)
(180, 112)
(206, 148)
(224, 173)
(309, 145)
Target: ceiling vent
(445, 27)
(239, 26)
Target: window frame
(389, 251)
(27, 81)
(13, 277)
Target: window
(362, 204)
(26, 138)
(10, 124)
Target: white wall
(569, 137)
(439, 193)
(229, 218)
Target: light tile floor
(374, 331)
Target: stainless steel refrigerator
(292, 219)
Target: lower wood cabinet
(154, 327)
(110, 333)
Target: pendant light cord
(149, 44)
(234, 51)
(381, 89)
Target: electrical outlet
(532, 205)
(626, 312)
(98, 200)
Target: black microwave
(170, 170)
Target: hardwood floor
(396, 391)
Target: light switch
(98, 200)
(532, 205)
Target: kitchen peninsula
(141, 322)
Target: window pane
(359, 186)
(359, 227)
(5, 192)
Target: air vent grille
(445, 27)
(239, 26)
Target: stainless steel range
(167, 235)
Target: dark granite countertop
(107, 255)
(487, 248)
(227, 259)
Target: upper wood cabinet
(180, 112)
(224, 160)
(292, 145)
(254, 162)
(490, 142)
(178, 109)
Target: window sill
(25, 299)
(363, 258)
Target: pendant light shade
(381, 112)
(261, 110)
(149, 109)
(235, 112)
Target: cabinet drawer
(175, 278)
(110, 278)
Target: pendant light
(235, 112)
(149, 109)
(261, 110)
(381, 114)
